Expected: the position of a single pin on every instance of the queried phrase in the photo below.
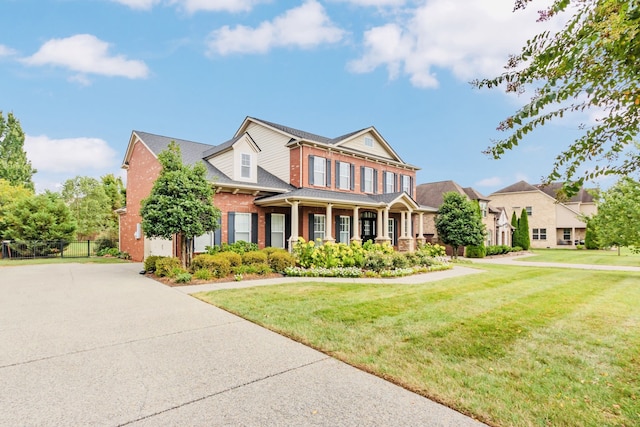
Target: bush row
(501, 249)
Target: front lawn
(512, 346)
(573, 256)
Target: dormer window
(245, 166)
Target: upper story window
(245, 165)
(368, 141)
(529, 210)
(406, 184)
(368, 178)
(319, 171)
(389, 182)
(345, 175)
(483, 209)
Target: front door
(368, 226)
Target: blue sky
(82, 74)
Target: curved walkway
(518, 260)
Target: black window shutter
(411, 186)
(217, 235)
(362, 179)
(353, 177)
(311, 236)
(287, 230)
(396, 181)
(384, 181)
(328, 163)
(375, 181)
(254, 228)
(310, 170)
(351, 231)
(267, 230)
(337, 174)
(231, 228)
(337, 229)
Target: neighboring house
(274, 183)
(553, 221)
(494, 218)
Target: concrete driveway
(84, 344)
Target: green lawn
(512, 346)
(572, 256)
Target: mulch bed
(230, 278)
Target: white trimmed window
(368, 180)
(319, 171)
(345, 229)
(319, 227)
(539, 234)
(406, 184)
(392, 231)
(242, 227)
(245, 165)
(345, 176)
(529, 210)
(277, 230)
(483, 209)
(368, 141)
(389, 182)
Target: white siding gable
(244, 151)
(224, 162)
(378, 148)
(274, 155)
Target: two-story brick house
(274, 183)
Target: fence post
(88, 248)
(61, 249)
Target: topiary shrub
(150, 263)
(475, 251)
(280, 260)
(254, 257)
(166, 265)
(233, 258)
(202, 274)
(183, 277)
(218, 264)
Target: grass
(94, 260)
(599, 257)
(514, 346)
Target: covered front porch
(330, 216)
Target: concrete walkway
(521, 261)
(88, 344)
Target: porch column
(403, 228)
(294, 224)
(385, 224)
(328, 235)
(421, 239)
(356, 225)
(405, 241)
(379, 221)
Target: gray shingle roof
(296, 132)
(517, 187)
(194, 152)
(431, 193)
(583, 195)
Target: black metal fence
(49, 249)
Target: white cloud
(138, 4)
(304, 27)
(70, 155)
(493, 181)
(376, 3)
(468, 37)
(192, 6)
(6, 51)
(87, 54)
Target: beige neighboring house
(495, 218)
(553, 223)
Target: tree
(458, 223)
(180, 203)
(515, 236)
(89, 205)
(591, 65)
(10, 194)
(523, 231)
(476, 251)
(14, 165)
(618, 219)
(591, 240)
(41, 217)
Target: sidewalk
(519, 260)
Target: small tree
(523, 231)
(180, 203)
(618, 218)
(591, 235)
(9, 195)
(89, 205)
(41, 217)
(116, 193)
(458, 223)
(515, 236)
(14, 165)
